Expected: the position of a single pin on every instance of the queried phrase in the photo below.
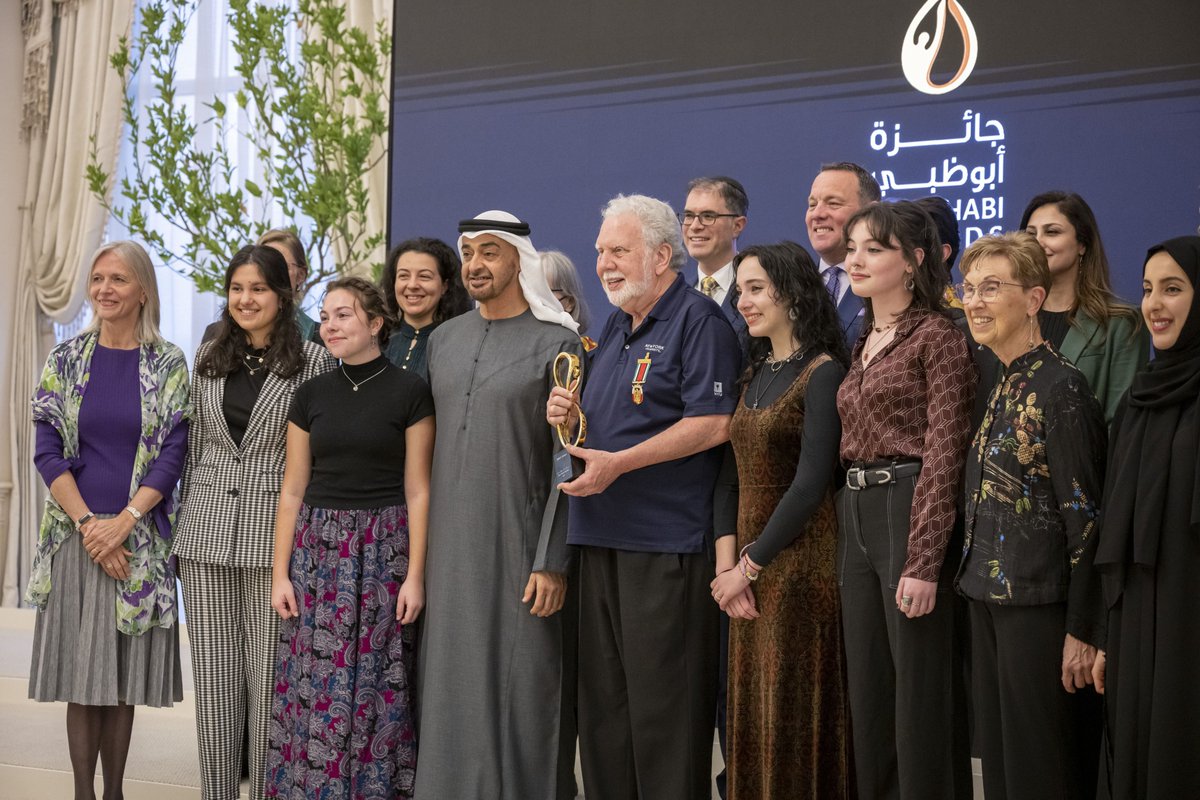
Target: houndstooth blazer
(230, 493)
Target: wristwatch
(133, 512)
(84, 520)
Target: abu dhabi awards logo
(920, 50)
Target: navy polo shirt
(685, 359)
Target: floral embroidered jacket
(1033, 479)
(147, 597)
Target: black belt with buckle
(860, 477)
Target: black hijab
(1140, 466)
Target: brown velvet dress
(788, 724)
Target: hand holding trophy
(568, 375)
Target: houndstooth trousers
(233, 635)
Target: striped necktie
(833, 282)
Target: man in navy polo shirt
(659, 392)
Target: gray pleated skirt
(79, 656)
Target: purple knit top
(110, 422)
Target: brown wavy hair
(372, 300)
(905, 226)
(1093, 285)
(285, 353)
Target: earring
(909, 283)
(1031, 319)
(793, 314)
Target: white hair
(659, 224)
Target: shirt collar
(723, 276)
(1024, 360)
(666, 304)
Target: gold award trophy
(568, 374)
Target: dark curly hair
(454, 300)
(905, 226)
(373, 302)
(285, 353)
(798, 288)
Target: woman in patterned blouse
(1033, 480)
(905, 407)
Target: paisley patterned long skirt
(342, 716)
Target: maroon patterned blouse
(914, 401)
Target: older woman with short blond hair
(1033, 481)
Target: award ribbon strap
(568, 374)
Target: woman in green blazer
(1082, 318)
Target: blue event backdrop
(547, 108)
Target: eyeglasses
(706, 217)
(988, 291)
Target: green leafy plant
(313, 106)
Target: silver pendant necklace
(364, 380)
(249, 358)
(760, 390)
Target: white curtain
(62, 226)
(365, 14)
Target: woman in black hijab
(1149, 549)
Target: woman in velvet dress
(243, 387)
(788, 720)
(349, 568)
(422, 283)
(110, 414)
(1149, 549)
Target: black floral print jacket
(1033, 479)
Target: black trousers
(647, 674)
(1034, 737)
(722, 778)
(908, 720)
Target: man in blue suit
(713, 217)
(839, 190)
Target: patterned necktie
(833, 282)
(709, 285)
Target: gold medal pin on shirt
(639, 378)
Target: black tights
(102, 731)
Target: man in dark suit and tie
(839, 190)
(713, 217)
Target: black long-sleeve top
(818, 459)
(1034, 475)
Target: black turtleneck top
(357, 437)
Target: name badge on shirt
(639, 378)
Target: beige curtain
(62, 226)
(365, 14)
